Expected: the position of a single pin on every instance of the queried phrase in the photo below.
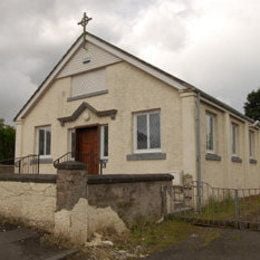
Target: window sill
(252, 161)
(42, 161)
(146, 156)
(93, 94)
(236, 159)
(212, 157)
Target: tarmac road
(231, 244)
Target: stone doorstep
(17, 235)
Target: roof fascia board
(48, 80)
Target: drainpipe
(198, 151)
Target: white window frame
(102, 142)
(213, 116)
(70, 132)
(38, 143)
(236, 152)
(251, 144)
(148, 150)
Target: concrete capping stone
(236, 159)
(146, 156)
(71, 165)
(212, 157)
(127, 178)
(252, 161)
(93, 94)
(35, 178)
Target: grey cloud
(173, 34)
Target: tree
(7, 141)
(252, 105)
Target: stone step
(182, 210)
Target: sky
(212, 44)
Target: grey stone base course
(146, 156)
(236, 159)
(253, 161)
(212, 157)
(42, 161)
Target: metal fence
(29, 164)
(213, 205)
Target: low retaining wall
(6, 169)
(133, 197)
(28, 198)
(74, 205)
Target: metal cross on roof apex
(84, 21)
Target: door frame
(98, 126)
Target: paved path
(231, 244)
(23, 244)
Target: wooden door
(87, 148)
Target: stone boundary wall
(29, 198)
(135, 198)
(88, 204)
(74, 205)
(6, 168)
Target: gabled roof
(168, 78)
(143, 65)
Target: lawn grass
(247, 208)
(157, 237)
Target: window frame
(45, 128)
(235, 126)
(102, 142)
(148, 149)
(71, 131)
(214, 132)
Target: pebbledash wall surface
(74, 205)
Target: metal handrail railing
(80, 157)
(28, 164)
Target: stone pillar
(189, 133)
(71, 219)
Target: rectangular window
(234, 138)
(210, 133)
(147, 132)
(251, 144)
(104, 142)
(44, 141)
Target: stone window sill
(212, 157)
(146, 156)
(252, 161)
(42, 161)
(236, 159)
(97, 93)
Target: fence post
(237, 206)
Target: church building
(119, 114)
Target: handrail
(28, 162)
(67, 156)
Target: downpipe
(198, 152)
